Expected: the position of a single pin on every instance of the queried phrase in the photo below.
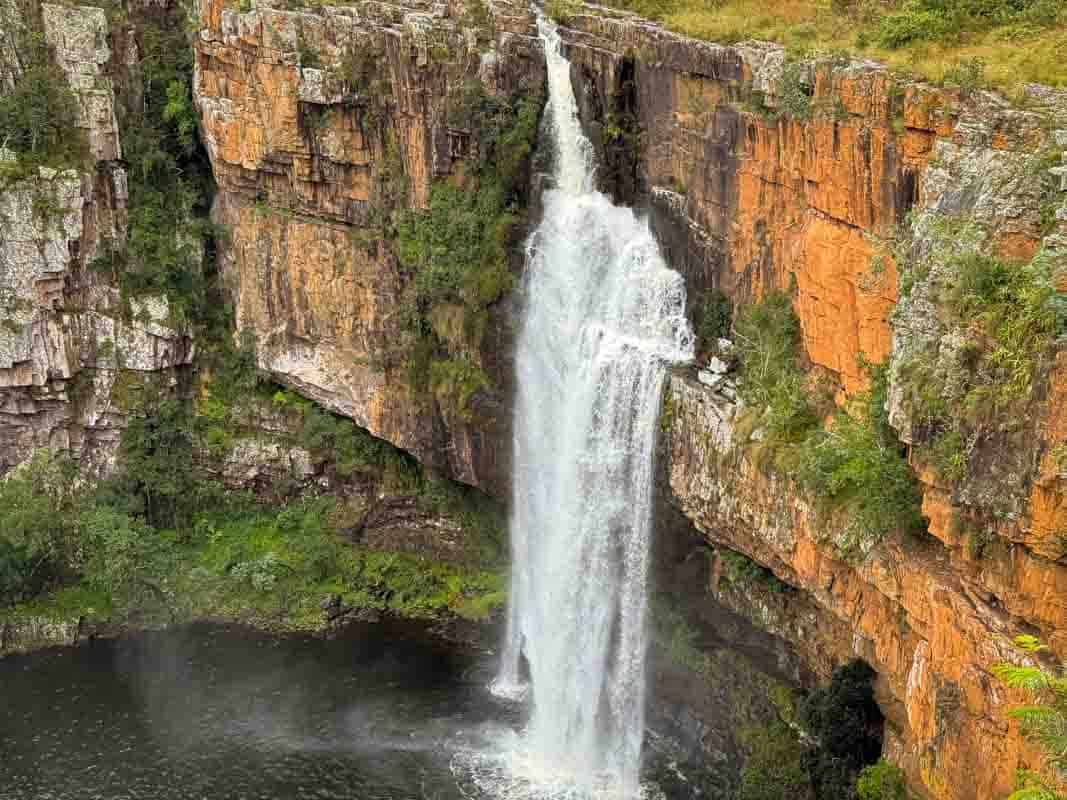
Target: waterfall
(604, 317)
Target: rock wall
(763, 174)
(320, 125)
(71, 351)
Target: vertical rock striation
(71, 350)
(321, 125)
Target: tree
(843, 719)
(38, 535)
(774, 769)
(39, 116)
(881, 781)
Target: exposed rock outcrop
(320, 125)
(71, 351)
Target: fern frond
(1030, 678)
(1036, 718)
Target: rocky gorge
(342, 139)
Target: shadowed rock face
(310, 162)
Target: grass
(1026, 43)
(853, 467)
(1010, 320)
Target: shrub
(715, 316)
(913, 22)
(1043, 720)
(857, 465)
(881, 781)
(768, 338)
(968, 74)
(38, 537)
(774, 768)
(39, 115)
(741, 570)
(844, 720)
(794, 94)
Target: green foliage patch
(881, 781)
(768, 337)
(854, 465)
(774, 769)
(232, 557)
(714, 319)
(1005, 322)
(170, 182)
(457, 250)
(969, 43)
(940, 20)
(845, 723)
(741, 571)
(39, 115)
(1043, 720)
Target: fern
(1043, 721)
(1030, 678)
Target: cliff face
(322, 127)
(831, 180)
(828, 179)
(70, 353)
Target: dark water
(383, 712)
(210, 712)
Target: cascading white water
(604, 317)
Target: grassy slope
(1014, 52)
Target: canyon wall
(824, 178)
(323, 125)
(828, 179)
(73, 351)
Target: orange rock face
(759, 186)
(321, 127)
(927, 622)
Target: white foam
(604, 316)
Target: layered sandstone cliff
(322, 125)
(765, 174)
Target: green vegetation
(815, 746)
(170, 183)
(819, 753)
(457, 250)
(774, 769)
(39, 115)
(162, 541)
(714, 319)
(1005, 321)
(741, 571)
(562, 11)
(881, 781)
(768, 338)
(967, 42)
(844, 721)
(1043, 721)
(854, 466)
